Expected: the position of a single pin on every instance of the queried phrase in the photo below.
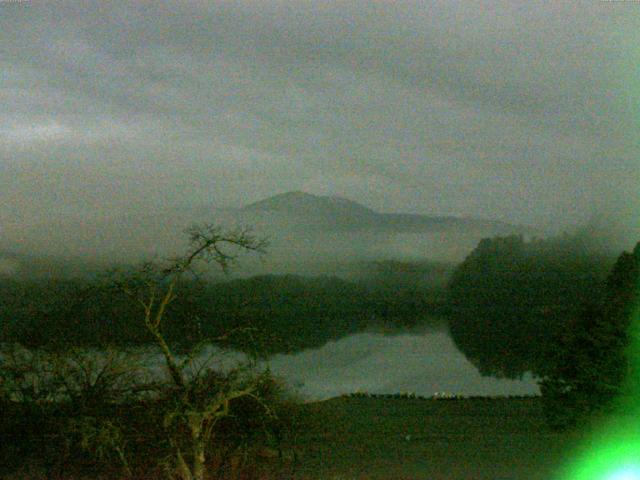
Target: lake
(420, 362)
(423, 362)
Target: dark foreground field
(351, 438)
(366, 438)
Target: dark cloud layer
(520, 111)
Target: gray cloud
(520, 111)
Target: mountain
(307, 234)
(340, 214)
(304, 203)
(304, 209)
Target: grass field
(358, 438)
(474, 439)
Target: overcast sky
(520, 111)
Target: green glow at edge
(612, 450)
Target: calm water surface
(422, 363)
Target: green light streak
(626, 473)
(611, 451)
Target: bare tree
(199, 401)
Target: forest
(502, 304)
(556, 308)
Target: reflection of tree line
(555, 308)
(510, 297)
(282, 313)
(505, 302)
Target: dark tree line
(85, 403)
(591, 358)
(555, 308)
(510, 297)
(282, 313)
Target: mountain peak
(332, 214)
(301, 203)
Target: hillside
(307, 234)
(342, 214)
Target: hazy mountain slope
(320, 234)
(346, 215)
(307, 234)
(300, 203)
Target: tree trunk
(183, 469)
(198, 447)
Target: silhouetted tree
(198, 398)
(589, 357)
(509, 296)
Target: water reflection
(422, 363)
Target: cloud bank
(522, 111)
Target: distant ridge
(301, 202)
(307, 233)
(337, 213)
